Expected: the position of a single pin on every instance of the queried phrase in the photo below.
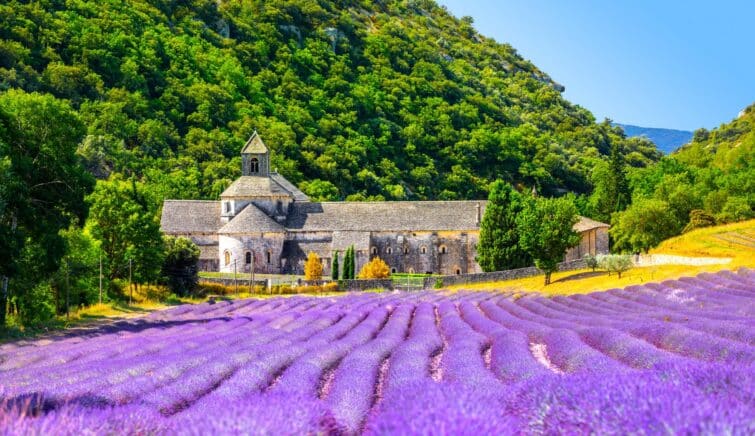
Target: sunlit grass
(725, 241)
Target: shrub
(617, 263)
(375, 269)
(313, 267)
(591, 261)
(209, 288)
(438, 283)
(306, 289)
(699, 218)
(180, 264)
(37, 305)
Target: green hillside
(709, 181)
(357, 99)
(731, 146)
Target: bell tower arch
(255, 157)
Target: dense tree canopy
(357, 99)
(499, 248)
(546, 231)
(42, 186)
(710, 180)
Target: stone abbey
(263, 221)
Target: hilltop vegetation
(357, 99)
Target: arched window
(393, 270)
(406, 250)
(269, 257)
(423, 250)
(248, 257)
(227, 258)
(411, 270)
(442, 249)
(254, 165)
(389, 250)
(374, 250)
(458, 271)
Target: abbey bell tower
(255, 157)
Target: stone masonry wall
(498, 275)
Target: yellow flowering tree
(375, 269)
(313, 267)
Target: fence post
(130, 285)
(100, 278)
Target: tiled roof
(254, 145)
(585, 224)
(190, 216)
(349, 221)
(384, 216)
(255, 187)
(288, 186)
(251, 220)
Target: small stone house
(265, 222)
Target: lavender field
(675, 357)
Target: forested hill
(667, 140)
(357, 99)
(730, 146)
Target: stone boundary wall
(669, 259)
(353, 285)
(347, 285)
(241, 282)
(363, 285)
(498, 276)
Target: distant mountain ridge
(667, 140)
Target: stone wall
(354, 285)
(426, 252)
(265, 248)
(594, 241)
(496, 276)
(241, 281)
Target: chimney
(478, 218)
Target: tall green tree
(124, 220)
(334, 268)
(499, 248)
(611, 191)
(349, 264)
(643, 225)
(43, 183)
(546, 231)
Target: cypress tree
(349, 264)
(499, 248)
(619, 196)
(334, 269)
(345, 274)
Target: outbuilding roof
(584, 224)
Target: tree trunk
(4, 293)
(547, 278)
(3, 301)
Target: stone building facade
(263, 221)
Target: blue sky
(672, 64)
